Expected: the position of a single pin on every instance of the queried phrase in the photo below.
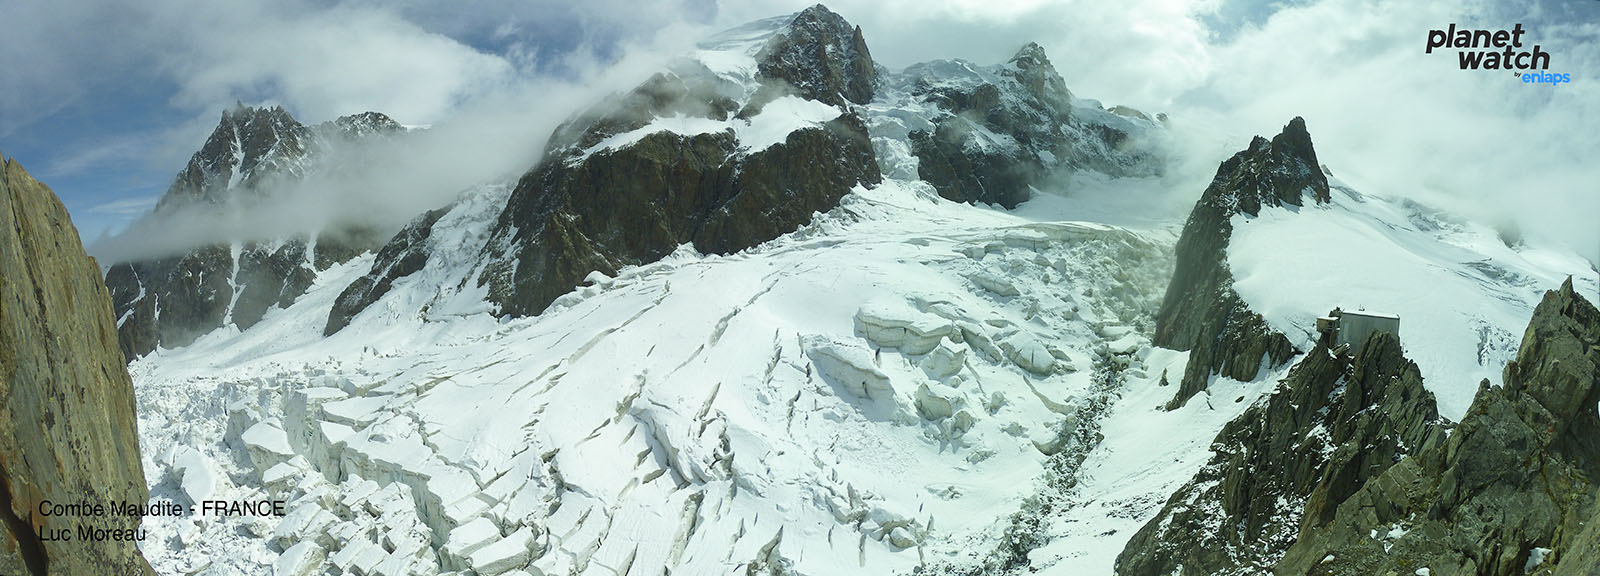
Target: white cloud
(323, 63)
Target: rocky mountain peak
(1201, 312)
(823, 56)
(1270, 173)
(1033, 70)
(1029, 56)
(171, 301)
(247, 145)
(363, 125)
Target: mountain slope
(1333, 423)
(67, 428)
(907, 334)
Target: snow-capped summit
(691, 156)
(252, 149)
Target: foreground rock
(1513, 491)
(67, 427)
(1201, 312)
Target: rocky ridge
(1347, 469)
(1512, 491)
(403, 255)
(67, 427)
(1201, 312)
(684, 158)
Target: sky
(105, 101)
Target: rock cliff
(67, 425)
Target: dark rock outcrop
(171, 301)
(582, 210)
(1512, 491)
(67, 423)
(1335, 422)
(404, 255)
(1201, 312)
(1011, 127)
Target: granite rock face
(1334, 423)
(1201, 312)
(1512, 491)
(588, 207)
(67, 422)
(173, 300)
(1008, 128)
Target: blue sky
(105, 101)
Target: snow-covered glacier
(877, 391)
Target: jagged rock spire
(1033, 70)
(823, 56)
